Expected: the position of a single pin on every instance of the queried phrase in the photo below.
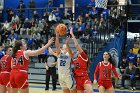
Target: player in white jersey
(66, 79)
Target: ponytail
(16, 47)
(111, 60)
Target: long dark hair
(16, 47)
(6, 48)
(111, 60)
(88, 62)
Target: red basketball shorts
(19, 79)
(81, 81)
(5, 79)
(105, 83)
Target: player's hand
(50, 41)
(71, 30)
(67, 40)
(47, 67)
(95, 82)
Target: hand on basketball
(67, 40)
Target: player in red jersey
(83, 81)
(20, 62)
(105, 69)
(5, 66)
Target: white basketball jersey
(64, 63)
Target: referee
(50, 63)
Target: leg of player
(102, 89)
(66, 90)
(14, 90)
(2, 89)
(88, 88)
(24, 90)
(110, 90)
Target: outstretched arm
(68, 47)
(78, 47)
(29, 53)
(57, 44)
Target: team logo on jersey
(115, 55)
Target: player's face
(9, 51)
(24, 45)
(64, 48)
(106, 56)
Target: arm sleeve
(115, 72)
(96, 72)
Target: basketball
(61, 29)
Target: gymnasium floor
(40, 88)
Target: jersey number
(62, 62)
(3, 64)
(20, 61)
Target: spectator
(45, 16)
(124, 64)
(135, 48)
(131, 57)
(50, 64)
(129, 73)
(14, 18)
(138, 55)
(18, 26)
(6, 25)
(138, 62)
(42, 56)
(31, 4)
(36, 16)
(93, 13)
(30, 42)
(50, 5)
(12, 41)
(4, 34)
(21, 7)
(27, 25)
(57, 14)
(13, 34)
(92, 3)
(52, 18)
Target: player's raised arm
(39, 51)
(57, 44)
(78, 47)
(68, 47)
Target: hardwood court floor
(40, 88)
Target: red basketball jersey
(5, 63)
(19, 61)
(80, 65)
(105, 71)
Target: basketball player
(65, 74)
(105, 69)
(83, 81)
(5, 65)
(20, 62)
